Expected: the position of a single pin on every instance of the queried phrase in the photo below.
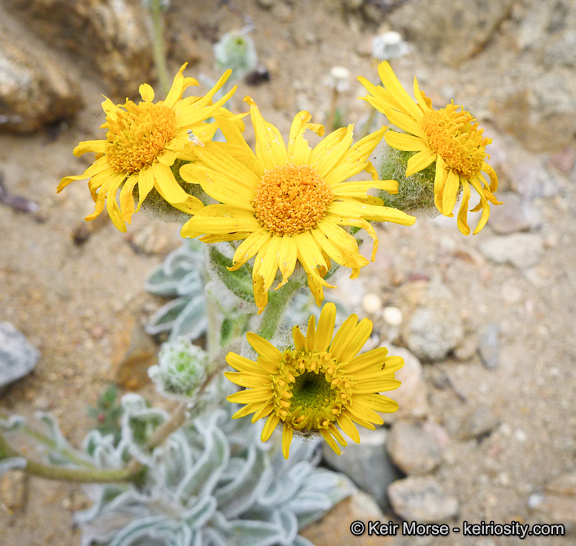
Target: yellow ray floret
(142, 143)
(320, 384)
(448, 136)
(288, 203)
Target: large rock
(34, 88)
(557, 503)
(110, 35)
(422, 499)
(435, 327)
(452, 30)
(366, 463)
(17, 357)
(522, 250)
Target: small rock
(282, 12)
(489, 347)
(412, 396)
(35, 90)
(392, 316)
(475, 424)
(564, 160)
(153, 238)
(522, 250)
(267, 3)
(516, 214)
(436, 327)
(366, 463)
(135, 352)
(17, 356)
(372, 303)
(13, 490)
(557, 503)
(413, 449)
(529, 177)
(467, 347)
(421, 499)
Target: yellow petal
(451, 188)
(356, 341)
(325, 327)
(264, 347)
(407, 143)
(269, 427)
(418, 162)
(146, 92)
(286, 440)
(250, 247)
(392, 84)
(94, 146)
(462, 218)
(287, 258)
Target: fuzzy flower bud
(236, 50)
(181, 369)
(389, 45)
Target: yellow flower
(142, 143)
(446, 136)
(288, 203)
(319, 384)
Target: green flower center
(311, 390)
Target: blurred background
(487, 422)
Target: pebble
(153, 238)
(489, 347)
(392, 316)
(413, 449)
(475, 423)
(522, 250)
(372, 303)
(557, 502)
(366, 463)
(421, 499)
(17, 356)
(412, 396)
(436, 327)
(518, 213)
(467, 347)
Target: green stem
(54, 472)
(272, 317)
(50, 444)
(158, 46)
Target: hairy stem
(279, 300)
(158, 46)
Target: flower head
(319, 384)
(448, 136)
(142, 143)
(288, 203)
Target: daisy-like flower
(318, 384)
(142, 143)
(288, 202)
(447, 136)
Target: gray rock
(366, 463)
(522, 250)
(516, 214)
(35, 90)
(489, 347)
(474, 424)
(451, 31)
(421, 499)
(413, 449)
(436, 327)
(111, 35)
(467, 347)
(17, 357)
(557, 502)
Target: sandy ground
(71, 301)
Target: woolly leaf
(192, 322)
(163, 319)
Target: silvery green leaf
(190, 285)
(12, 463)
(301, 541)
(54, 431)
(136, 531)
(172, 459)
(238, 495)
(161, 284)
(163, 319)
(238, 282)
(200, 513)
(13, 423)
(192, 321)
(251, 532)
(203, 476)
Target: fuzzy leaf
(192, 321)
(238, 282)
(161, 284)
(191, 285)
(163, 319)
(12, 463)
(13, 423)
